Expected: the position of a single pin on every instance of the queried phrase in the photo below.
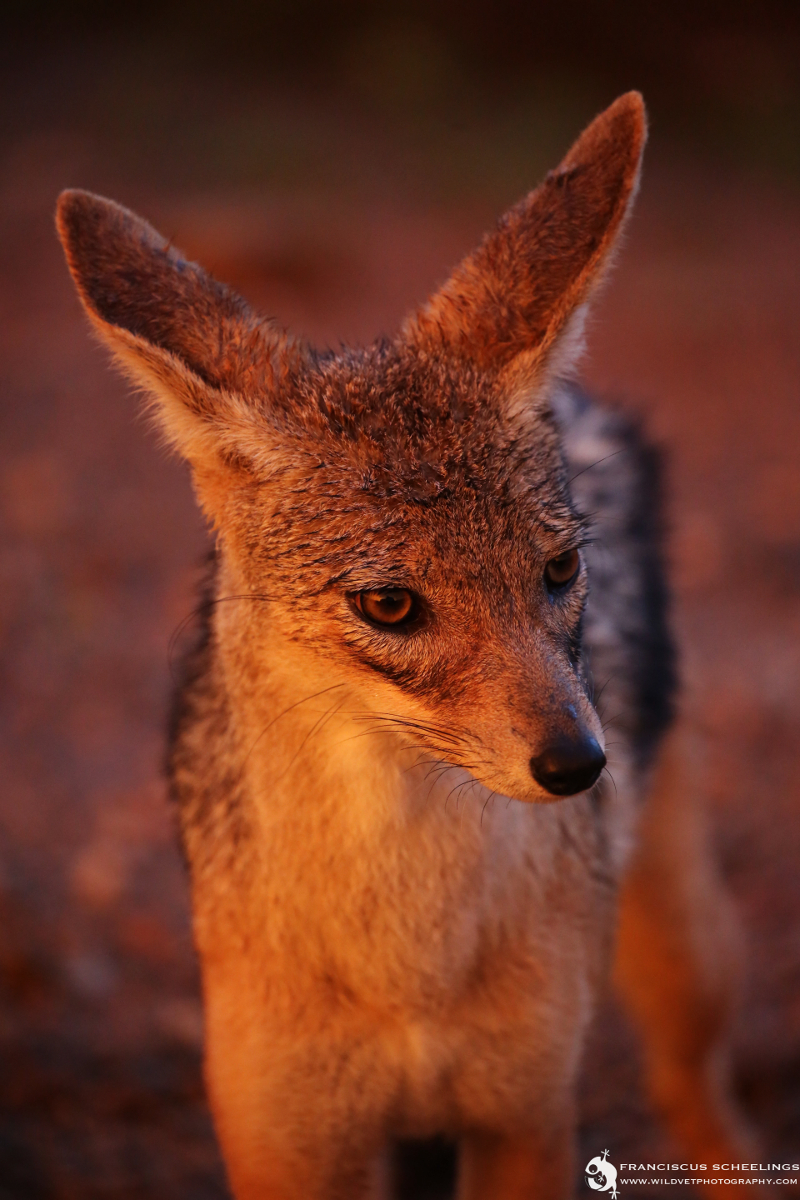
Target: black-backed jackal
(406, 850)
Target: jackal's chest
(418, 908)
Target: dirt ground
(100, 1023)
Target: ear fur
(524, 289)
(195, 345)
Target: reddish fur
(374, 963)
(518, 289)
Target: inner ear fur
(210, 361)
(527, 282)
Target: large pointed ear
(209, 362)
(518, 298)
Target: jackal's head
(405, 508)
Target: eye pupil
(562, 569)
(386, 606)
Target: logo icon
(601, 1176)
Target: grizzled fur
(615, 482)
(615, 479)
(401, 932)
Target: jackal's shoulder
(202, 762)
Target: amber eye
(387, 606)
(562, 569)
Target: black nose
(568, 765)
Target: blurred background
(333, 161)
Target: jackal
(407, 836)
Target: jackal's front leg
(293, 1113)
(678, 963)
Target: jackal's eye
(389, 607)
(561, 570)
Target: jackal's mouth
(566, 765)
(421, 735)
(436, 747)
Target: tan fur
(400, 932)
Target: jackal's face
(404, 508)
